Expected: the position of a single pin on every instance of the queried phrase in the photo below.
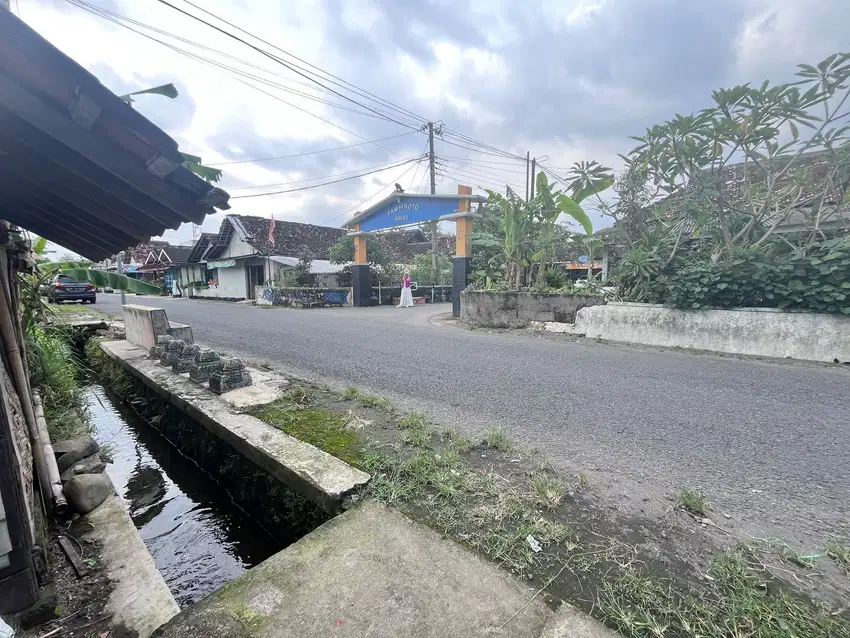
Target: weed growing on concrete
(497, 438)
(693, 501)
(548, 490)
(840, 553)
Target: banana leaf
(168, 90)
(103, 279)
(570, 207)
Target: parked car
(66, 288)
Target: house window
(211, 275)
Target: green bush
(818, 281)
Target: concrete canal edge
(140, 599)
(369, 571)
(311, 472)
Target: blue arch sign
(404, 210)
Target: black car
(65, 288)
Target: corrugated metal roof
(77, 164)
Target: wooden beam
(62, 129)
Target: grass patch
(55, 369)
(693, 501)
(497, 438)
(417, 430)
(477, 509)
(740, 600)
(548, 490)
(457, 442)
(367, 400)
(295, 414)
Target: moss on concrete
(296, 414)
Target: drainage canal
(198, 536)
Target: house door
(256, 277)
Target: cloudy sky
(566, 80)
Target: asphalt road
(768, 441)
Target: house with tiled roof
(231, 263)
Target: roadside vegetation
(509, 505)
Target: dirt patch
(81, 603)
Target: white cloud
(570, 80)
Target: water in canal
(198, 537)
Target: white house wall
(231, 283)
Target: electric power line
(277, 59)
(326, 150)
(485, 162)
(462, 169)
(313, 179)
(354, 88)
(100, 13)
(336, 181)
(358, 205)
(470, 143)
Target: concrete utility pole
(434, 223)
(533, 170)
(119, 266)
(527, 172)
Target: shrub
(818, 281)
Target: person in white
(406, 294)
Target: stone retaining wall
(517, 309)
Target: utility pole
(434, 223)
(533, 169)
(431, 157)
(527, 172)
(119, 266)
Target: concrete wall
(517, 309)
(750, 331)
(144, 324)
(231, 283)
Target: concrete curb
(313, 473)
(140, 599)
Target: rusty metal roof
(78, 165)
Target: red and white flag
(271, 230)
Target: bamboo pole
(60, 504)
